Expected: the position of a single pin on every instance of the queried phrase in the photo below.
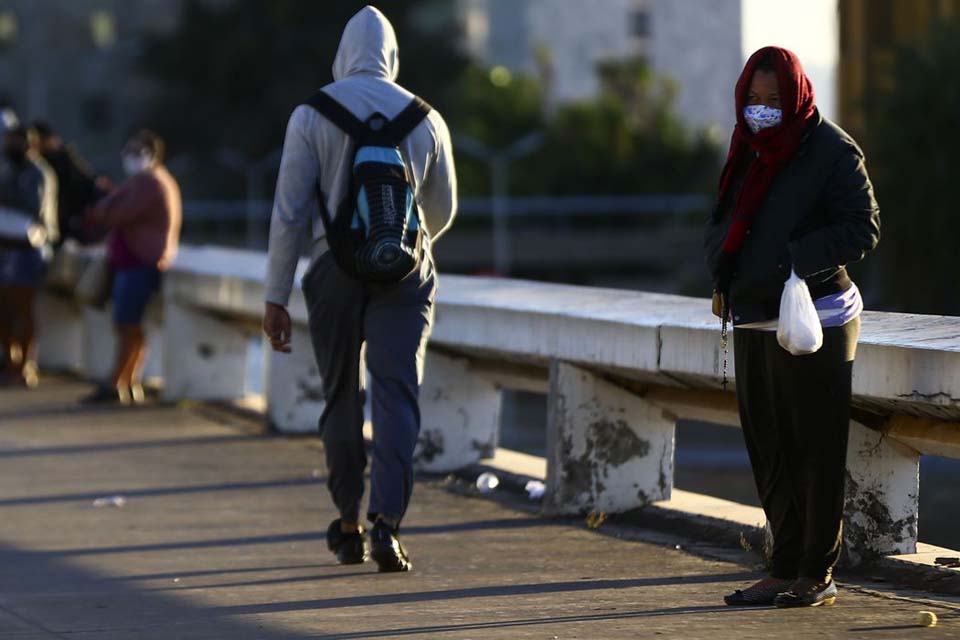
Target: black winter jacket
(819, 215)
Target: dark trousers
(391, 324)
(795, 412)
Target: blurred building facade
(871, 31)
(73, 63)
(696, 43)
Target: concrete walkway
(220, 538)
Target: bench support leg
(99, 344)
(293, 387)
(607, 449)
(204, 358)
(59, 333)
(882, 496)
(460, 415)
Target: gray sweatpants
(390, 324)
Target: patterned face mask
(760, 117)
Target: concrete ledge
(919, 570)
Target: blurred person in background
(143, 216)
(78, 186)
(27, 187)
(794, 195)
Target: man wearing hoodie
(345, 313)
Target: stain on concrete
(205, 351)
(616, 443)
(429, 446)
(666, 461)
(609, 443)
(578, 473)
(862, 536)
(307, 392)
(483, 449)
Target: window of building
(640, 23)
(103, 29)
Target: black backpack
(376, 235)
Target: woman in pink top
(144, 217)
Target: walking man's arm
(293, 209)
(438, 194)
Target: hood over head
(368, 46)
(797, 100)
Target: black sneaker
(350, 548)
(387, 550)
(807, 592)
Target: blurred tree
(234, 71)
(626, 140)
(496, 108)
(912, 155)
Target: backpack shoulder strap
(405, 122)
(338, 115)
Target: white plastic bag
(799, 330)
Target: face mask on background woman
(134, 163)
(760, 117)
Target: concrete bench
(619, 369)
(78, 339)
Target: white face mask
(760, 117)
(136, 163)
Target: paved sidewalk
(220, 538)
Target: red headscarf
(774, 147)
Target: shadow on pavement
(527, 622)
(483, 592)
(159, 492)
(59, 599)
(306, 536)
(81, 449)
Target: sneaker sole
(767, 603)
(826, 602)
(388, 562)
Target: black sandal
(761, 593)
(807, 592)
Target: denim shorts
(132, 290)
(22, 267)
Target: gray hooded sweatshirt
(364, 72)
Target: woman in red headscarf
(794, 196)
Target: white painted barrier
(619, 368)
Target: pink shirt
(120, 255)
(145, 214)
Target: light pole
(499, 161)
